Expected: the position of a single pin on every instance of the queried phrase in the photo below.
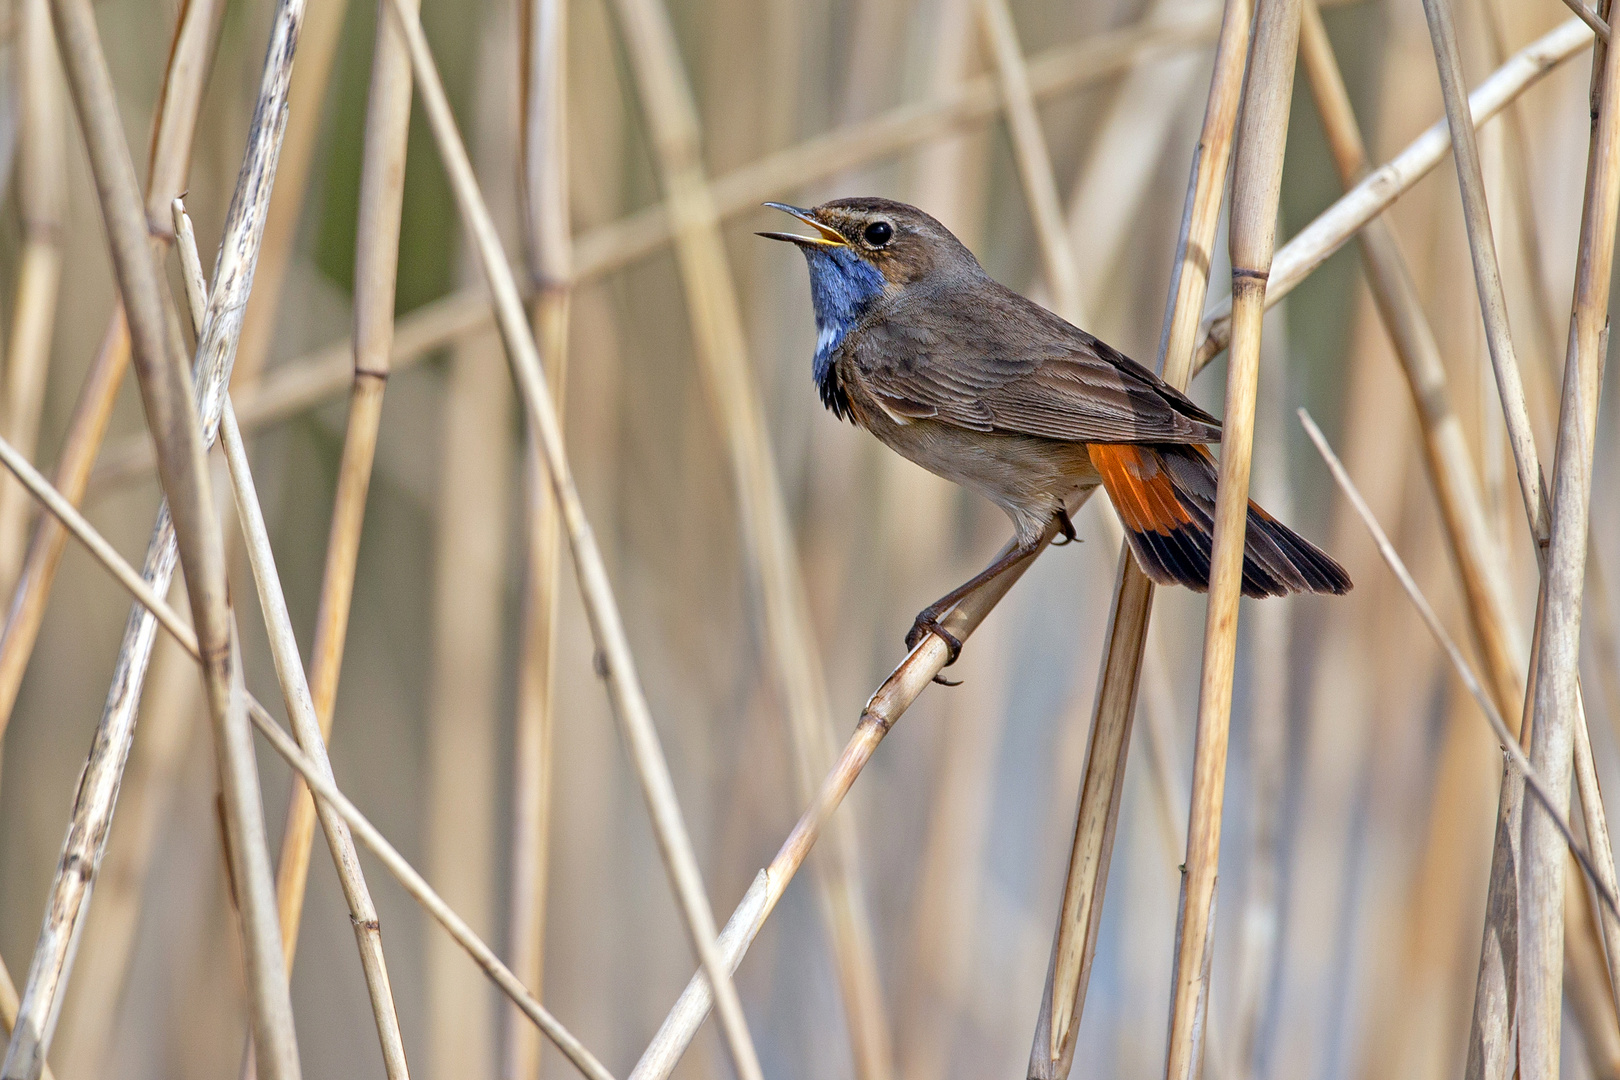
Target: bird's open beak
(829, 237)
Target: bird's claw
(928, 623)
(1065, 529)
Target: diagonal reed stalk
(41, 195)
(182, 421)
(376, 264)
(882, 711)
(543, 131)
(294, 687)
(1554, 709)
(314, 775)
(8, 1014)
(624, 686)
(1034, 161)
(190, 58)
(1097, 814)
(1256, 188)
(719, 340)
(1332, 228)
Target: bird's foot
(1065, 529)
(928, 623)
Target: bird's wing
(990, 360)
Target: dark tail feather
(1165, 495)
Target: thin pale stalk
(543, 84)
(166, 617)
(715, 315)
(882, 711)
(182, 420)
(1333, 227)
(8, 1013)
(190, 57)
(41, 197)
(1589, 17)
(376, 263)
(1557, 690)
(1097, 815)
(1034, 162)
(624, 686)
(1256, 187)
(294, 687)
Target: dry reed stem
(382, 188)
(1487, 273)
(191, 56)
(629, 702)
(1511, 749)
(1510, 389)
(1097, 814)
(1256, 188)
(719, 340)
(883, 710)
(294, 687)
(8, 1013)
(317, 48)
(1479, 560)
(1329, 231)
(182, 421)
(41, 199)
(543, 131)
(1034, 162)
(1556, 696)
(1590, 18)
(166, 617)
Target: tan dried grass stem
(629, 702)
(191, 55)
(182, 421)
(1097, 815)
(170, 620)
(376, 264)
(1034, 162)
(41, 199)
(294, 687)
(543, 131)
(1589, 17)
(1556, 680)
(715, 315)
(8, 1013)
(1256, 187)
(882, 711)
(1509, 742)
(1333, 227)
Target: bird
(919, 346)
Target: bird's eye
(878, 233)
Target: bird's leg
(1065, 527)
(928, 618)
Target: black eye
(878, 233)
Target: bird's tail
(1165, 496)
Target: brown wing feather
(986, 359)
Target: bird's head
(864, 250)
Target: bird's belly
(1029, 478)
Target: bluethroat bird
(916, 344)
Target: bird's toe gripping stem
(928, 623)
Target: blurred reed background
(768, 560)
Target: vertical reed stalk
(191, 55)
(543, 130)
(718, 337)
(407, 875)
(183, 422)
(41, 197)
(1556, 695)
(294, 687)
(376, 266)
(1097, 815)
(1256, 187)
(624, 686)
(1034, 162)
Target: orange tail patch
(1142, 491)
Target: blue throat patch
(842, 287)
